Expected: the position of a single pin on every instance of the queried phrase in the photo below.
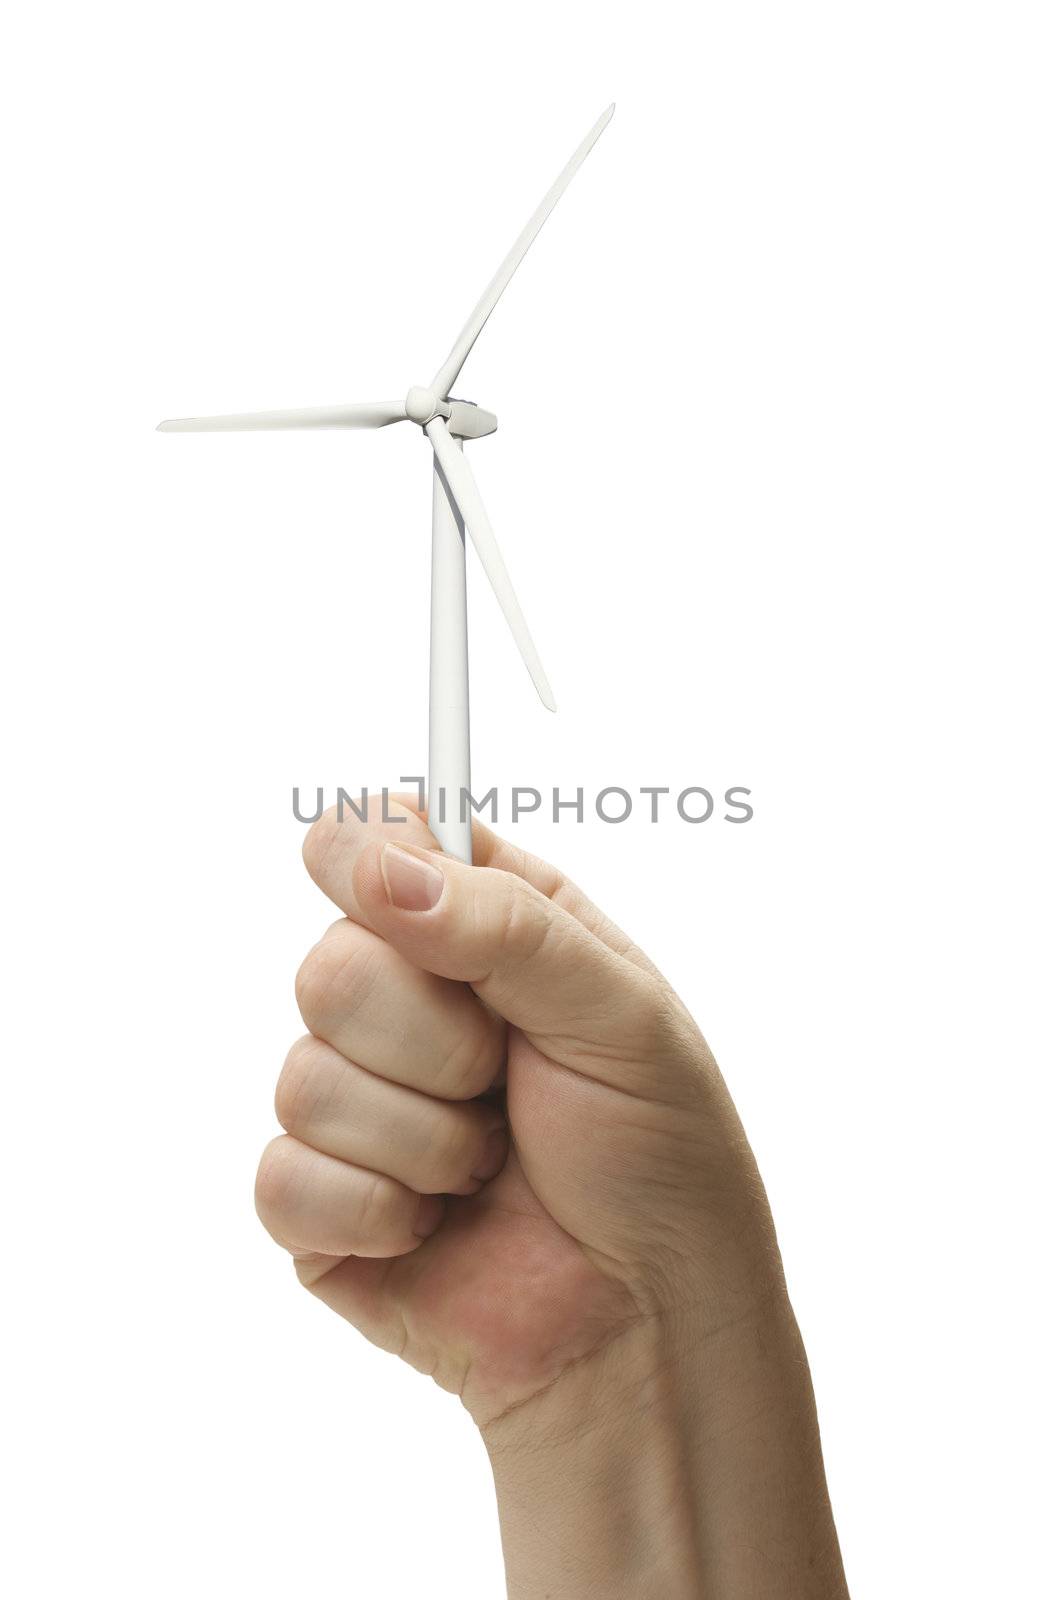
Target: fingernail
(411, 883)
(429, 1215)
(493, 1158)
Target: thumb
(578, 1000)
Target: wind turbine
(457, 505)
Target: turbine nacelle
(467, 421)
(463, 419)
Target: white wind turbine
(457, 505)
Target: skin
(510, 1159)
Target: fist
(507, 1146)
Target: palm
(502, 1298)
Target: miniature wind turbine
(457, 505)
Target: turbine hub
(422, 405)
(464, 420)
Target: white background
(765, 479)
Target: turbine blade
(447, 376)
(374, 414)
(462, 485)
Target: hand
(510, 1158)
(620, 1189)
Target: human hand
(510, 1158)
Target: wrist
(591, 1480)
(673, 1463)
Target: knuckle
(641, 1007)
(333, 978)
(525, 922)
(452, 1152)
(379, 1209)
(519, 924)
(468, 1068)
(298, 1093)
(276, 1180)
(652, 1017)
(320, 844)
(312, 980)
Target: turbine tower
(456, 506)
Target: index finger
(334, 842)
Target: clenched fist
(510, 1159)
